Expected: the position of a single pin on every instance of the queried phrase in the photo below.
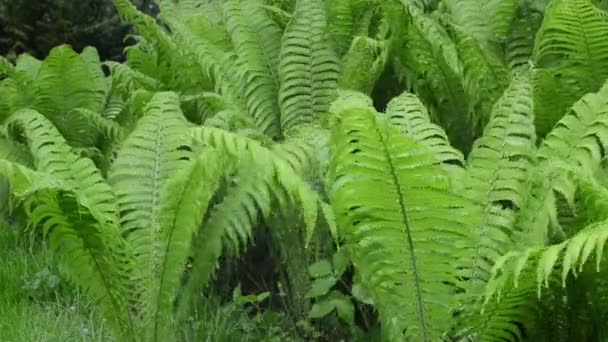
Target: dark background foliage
(36, 26)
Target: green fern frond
(363, 64)
(501, 160)
(576, 145)
(428, 62)
(406, 230)
(572, 254)
(51, 154)
(484, 77)
(499, 177)
(308, 69)
(519, 46)
(512, 318)
(28, 65)
(571, 55)
(150, 155)
(486, 21)
(578, 139)
(273, 171)
(148, 28)
(229, 227)
(342, 17)
(14, 151)
(218, 64)
(257, 44)
(77, 212)
(66, 82)
(184, 202)
(409, 115)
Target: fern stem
(410, 240)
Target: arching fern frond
(577, 143)
(428, 63)
(308, 68)
(499, 177)
(76, 211)
(406, 230)
(184, 201)
(363, 64)
(572, 254)
(486, 21)
(343, 18)
(409, 115)
(66, 82)
(257, 44)
(571, 55)
(484, 77)
(519, 45)
(150, 155)
(51, 154)
(273, 171)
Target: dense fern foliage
(416, 170)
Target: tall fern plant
(126, 240)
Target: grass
(34, 304)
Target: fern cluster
(451, 154)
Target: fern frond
(342, 17)
(431, 68)
(229, 228)
(257, 44)
(363, 64)
(51, 154)
(519, 46)
(150, 155)
(406, 230)
(578, 140)
(486, 21)
(148, 28)
(572, 254)
(499, 178)
(274, 171)
(184, 202)
(409, 115)
(571, 55)
(218, 64)
(66, 82)
(577, 144)
(77, 212)
(484, 77)
(308, 68)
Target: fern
(308, 69)
(158, 148)
(571, 56)
(387, 224)
(256, 42)
(409, 115)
